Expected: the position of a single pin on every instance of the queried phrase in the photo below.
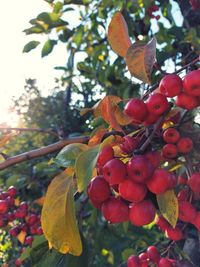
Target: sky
(16, 66)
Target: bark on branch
(41, 151)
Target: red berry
(114, 171)
(154, 157)
(18, 262)
(3, 206)
(153, 253)
(3, 221)
(106, 154)
(182, 180)
(32, 219)
(187, 212)
(142, 213)
(28, 240)
(186, 101)
(23, 206)
(191, 83)
(98, 189)
(160, 181)
(14, 231)
(136, 109)
(39, 231)
(143, 257)
(150, 119)
(194, 182)
(3, 195)
(11, 216)
(171, 135)
(115, 210)
(184, 194)
(169, 151)
(171, 85)
(162, 223)
(132, 191)
(164, 262)
(174, 234)
(11, 201)
(19, 214)
(157, 104)
(185, 145)
(129, 144)
(139, 169)
(133, 261)
(12, 191)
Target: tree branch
(29, 130)
(41, 151)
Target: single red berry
(150, 119)
(11, 201)
(11, 216)
(165, 262)
(133, 261)
(32, 219)
(162, 223)
(160, 181)
(142, 213)
(3, 195)
(130, 143)
(136, 109)
(194, 182)
(143, 257)
(157, 104)
(19, 214)
(3, 206)
(171, 135)
(169, 151)
(39, 231)
(131, 191)
(33, 230)
(114, 171)
(139, 169)
(23, 206)
(154, 157)
(12, 191)
(185, 145)
(98, 189)
(18, 262)
(184, 194)
(153, 253)
(115, 210)
(174, 234)
(187, 211)
(96, 204)
(182, 180)
(106, 154)
(14, 231)
(186, 101)
(171, 85)
(191, 83)
(24, 227)
(28, 240)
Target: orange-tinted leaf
(21, 237)
(97, 136)
(140, 59)
(121, 117)
(118, 36)
(40, 201)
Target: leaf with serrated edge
(84, 166)
(168, 205)
(58, 216)
(140, 59)
(118, 36)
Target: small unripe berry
(139, 169)
(114, 171)
(136, 109)
(131, 191)
(142, 213)
(185, 145)
(194, 182)
(115, 210)
(171, 85)
(157, 104)
(171, 135)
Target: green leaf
(29, 46)
(48, 17)
(68, 155)
(85, 165)
(57, 7)
(34, 29)
(58, 215)
(48, 47)
(168, 205)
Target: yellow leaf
(21, 237)
(118, 36)
(168, 205)
(176, 167)
(58, 216)
(140, 59)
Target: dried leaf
(58, 216)
(118, 36)
(168, 205)
(97, 135)
(140, 59)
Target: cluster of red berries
(195, 4)
(149, 257)
(186, 91)
(19, 218)
(120, 189)
(151, 10)
(175, 143)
